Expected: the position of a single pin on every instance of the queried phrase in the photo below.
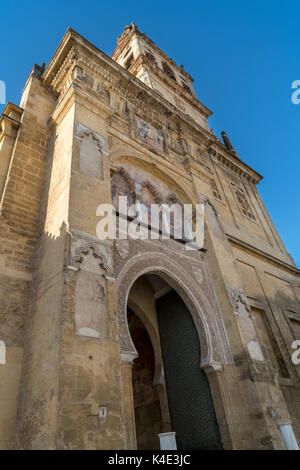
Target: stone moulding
(236, 167)
(84, 249)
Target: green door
(190, 403)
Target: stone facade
(88, 124)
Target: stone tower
(111, 343)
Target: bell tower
(143, 59)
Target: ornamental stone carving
(82, 244)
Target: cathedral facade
(124, 343)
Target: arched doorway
(183, 403)
(146, 400)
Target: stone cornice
(233, 163)
(58, 57)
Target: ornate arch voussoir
(173, 199)
(156, 195)
(128, 180)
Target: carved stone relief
(135, 183)
(82, 243)
(242, 201)
(103, 92)
(236, 299)
(152, 136)
(242, 309)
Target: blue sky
(243, 57)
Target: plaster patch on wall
(2, 352)
(89, 332)
(255, 351)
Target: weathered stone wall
(37, 407)
(14, 301)
(90, 363)
(272, 294)
(20, 226)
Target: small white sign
(167, 441)
(2, 352)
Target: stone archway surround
(215, 351)
(212, 336)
